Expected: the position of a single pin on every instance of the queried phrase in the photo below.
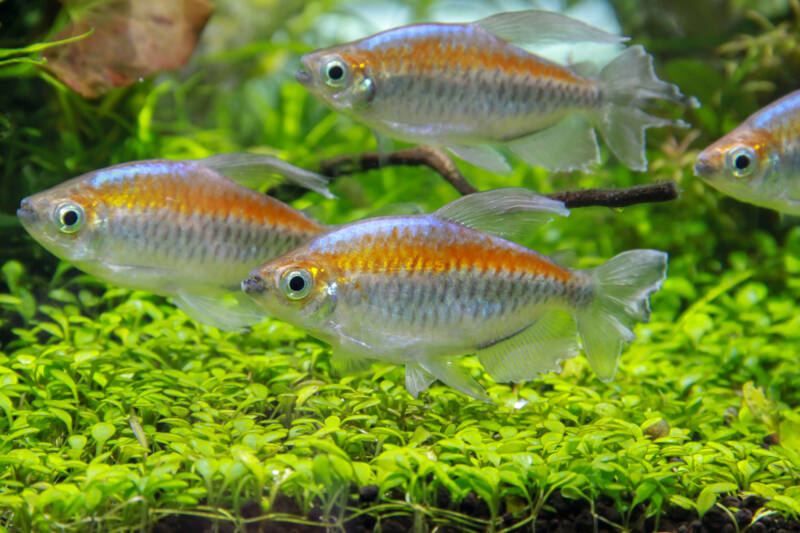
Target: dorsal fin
(586, 69)
(396, 209)
(565, 258)
(256, 170)
(510, 213)
(534, 26)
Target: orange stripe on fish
(403, 251)
(462, 86)
(178, 194)
(429, 55)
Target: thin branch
(639, 194)
(434, 158)
(440, 162)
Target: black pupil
(69, 218)
(296, 283)
(335, 72)
(742, 162)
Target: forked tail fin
(622, 287)
(628, 82)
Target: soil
(559, 515)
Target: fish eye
(741, 161)
(335, 72)
(69, 217)
(296, 284)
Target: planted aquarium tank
(309, 276)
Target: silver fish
(177, 228)
(759, 161)
(466, 87)
(422, 290)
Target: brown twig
(434, 158)
(639, 194)
(441, 163)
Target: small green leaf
(705, 500)
(102, 431)
(63, 377)
(77, 442)
(644, 491)
(321, 468)
(62, 415)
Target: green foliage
(29, 54)
(117, 410)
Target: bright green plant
(116, 410)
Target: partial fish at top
(176, 228)
(422, 290)
(759, 161)
(465, 87)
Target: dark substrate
(559, 515)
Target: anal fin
(571, 144)
(533, 351)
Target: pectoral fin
(385, 147)
(347, 362)
(227, 311)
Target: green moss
(116, 410)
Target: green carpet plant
(119, 413)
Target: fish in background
(176, 228)
(759, 161)
(466, 87)
(422, 290)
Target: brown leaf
(132, 39)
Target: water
(704, 412)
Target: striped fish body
(759, 161)
(415, 287)
(466, 87)
(175, 228)
(459, 84)
(422, 290)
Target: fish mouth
(302, 76)
(253, 285)
(26, 213)
(703, 169)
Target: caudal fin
(628, 82)
(622, 287)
